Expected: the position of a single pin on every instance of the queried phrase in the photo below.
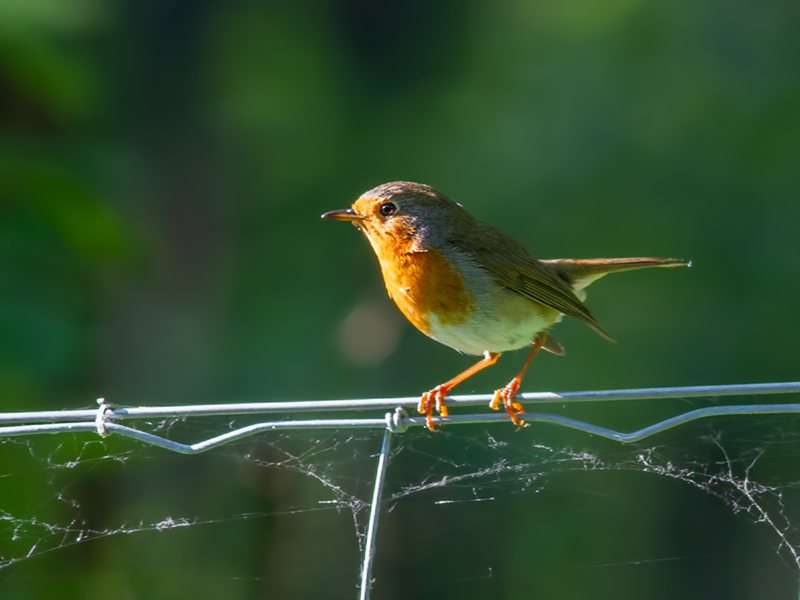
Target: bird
(471, 287)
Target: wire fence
(104, 421)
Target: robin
(469, 286)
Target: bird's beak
(343, 214)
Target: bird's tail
(580, 272)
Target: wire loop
(397, 421)
(103, 410)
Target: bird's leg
(509, 393)
(435, 397)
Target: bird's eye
(388, 209)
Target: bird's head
(402, 215)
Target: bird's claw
(508, 396)
(434, 398)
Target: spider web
(474, 507)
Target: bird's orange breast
(425, 283)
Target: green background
(163, 166)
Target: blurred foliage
(163, 166)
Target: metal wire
(374, 515)
(231, 409)
(103, 421)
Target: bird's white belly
(488, 329)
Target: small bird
(469, 286)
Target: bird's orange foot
(508, 396)
(433, 399)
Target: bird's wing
(514, 268)
(529, 277)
